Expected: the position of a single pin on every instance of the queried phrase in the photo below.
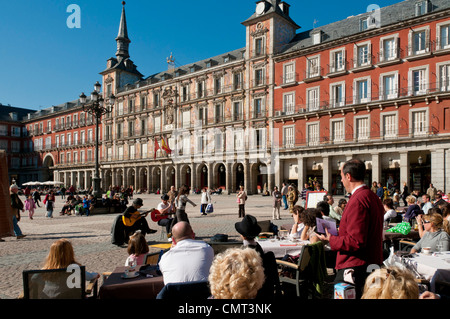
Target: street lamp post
(96, 106)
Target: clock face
(260, 8)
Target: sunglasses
(426, 221)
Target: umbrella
(57, 183)
(48, 183)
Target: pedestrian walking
(241, 198)
(49, 202)
(17, 206)
(284, 192)
(180, 201)
(30, 206)
(36, 197)
(276, 194)
(205, 200)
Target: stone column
(404, 170)
(228, 178)
(376, 168)
(210, 166)
(149, 180)
(327, 169)
(301, 169)
(247, 177)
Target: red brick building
(289, 106)
(374, 86)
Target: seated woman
(434, 235)
(309, 220)
(236, 274)
(413, 209)
(390, 212)
(391, 283)
(61, 256)
(298, 215)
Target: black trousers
(359, 278)
(242, 210)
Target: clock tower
(268, 30)
(120, 70)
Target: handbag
(209, 208)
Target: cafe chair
(56, 284)
(185, 291)
(300, 274)
(406, 245)
(219, 247)
(265, 228)
(153, 258)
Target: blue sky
(45, 63)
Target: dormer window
(317, 37)
(363, 24)
(422, 7)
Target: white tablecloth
(432, 267)
(282, 247)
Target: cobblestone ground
(91, 239)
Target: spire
(122, 37)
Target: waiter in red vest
(359, 244)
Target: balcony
(288, 80)
(313, 74)
(362, 63)
(420, 51)
(401, 135)
(373, 99)
(337, 69)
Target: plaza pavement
(91, 238)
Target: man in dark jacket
(359, 244)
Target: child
(137, 248)
(86, 205)
(30, 206)
(49, 202)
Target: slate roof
(388, 15)
(5, 111)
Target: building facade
(374, 86)
(286, 107)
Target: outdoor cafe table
(282, 247)
(141, 287)
(435, 267)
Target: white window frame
(315, 139)
(425, 81)
(443, 76)
(289, 103)
(288, 136)
(439, 27)
(390, 132)
(395, 89)
(395, 49)
(313, 66)
(411, 41)
(336, 136)
(357, 57)
(313, 102)
(356, 96)
(337, 66)
(365, 131)
(289, 72)
(421, 128)
(333, 88)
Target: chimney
(284, 7)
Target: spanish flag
(165, 146)
(156, 146)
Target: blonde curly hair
(391, 283)
(236, 274)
